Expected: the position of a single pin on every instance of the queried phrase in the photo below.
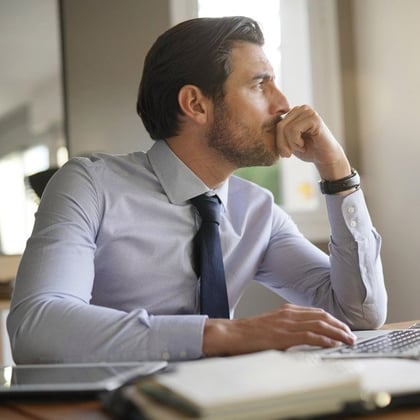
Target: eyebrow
(263, 76)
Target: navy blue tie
(213, 294)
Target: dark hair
(193, 52)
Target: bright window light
(17, 206)
(268, 17)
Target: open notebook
(272, 384)
(265, 385)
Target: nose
(280, 104)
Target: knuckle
(320, 324)
(322, 314)
(287, 308)
(285, 155)
(284, 152)
(307, 336)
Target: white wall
(105, 42)
(387, 33)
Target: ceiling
(29, 49)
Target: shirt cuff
(348, 216)
(174, 337)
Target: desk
(92, 410)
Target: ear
(194, 105)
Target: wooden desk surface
(66, 410)
(92, 410)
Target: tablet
(79, 380)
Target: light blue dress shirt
(108, 273)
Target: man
(109, 274)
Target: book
(264, 385)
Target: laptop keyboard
(396, 343)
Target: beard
(239, 144)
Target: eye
(260, 84)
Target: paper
(264, 385)
(395, 376)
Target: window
(301, 43)
(18, 206)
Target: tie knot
(208, 207)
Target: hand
(304, 134)
(288, 326)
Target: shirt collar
(178, 181)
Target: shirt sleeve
(349, 282)
(51, 319)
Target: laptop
(387, 361)
(67, 380)
(395, 343)
(398, 343)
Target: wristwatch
(342, 184)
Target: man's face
(243, 128)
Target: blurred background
(69, 73)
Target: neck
(206, 163)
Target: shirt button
(166, 355)
(351, 210)
(353, 223)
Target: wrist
(223, 337)
(214, 337)
(334, 165)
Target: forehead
(247, 60)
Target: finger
(283, 146)
(312, 339)
(301, 120)
(288, 144)
(320, 328)
(297, 125)
(312, 333)
(299, 114)
(316, 319)
(310, 312)
(301, 130)
(328, 330)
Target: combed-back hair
(193, 52)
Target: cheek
(257, 107)
(247, 109)
(247, 99)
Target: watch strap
(342, 184)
